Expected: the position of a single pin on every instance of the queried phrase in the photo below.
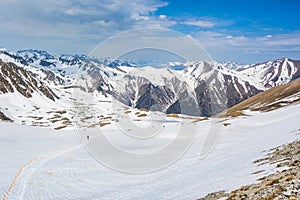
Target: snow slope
(39, 163)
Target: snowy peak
(222, 87)
(42, 59)
(157, 76)
(8, 56)
(232, 65)
(35, 54)
(273, 73)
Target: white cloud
(200, 23)
(103, 23)
(162, 16)
(205, 22)
(211, 38)
(284, 40)
(239, 47)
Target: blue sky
(240, 31)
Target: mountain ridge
(201, 88)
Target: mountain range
(200, 88)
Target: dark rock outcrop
(3, 117)
(14, 78)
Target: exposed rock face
(236, 93)
(3, 117)
(51, 76)
(16, 79)
(297, 73)
(153, 97)
(204, 99)
(97, 81)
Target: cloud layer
(250, 49)
(65, 26)
(75, 18)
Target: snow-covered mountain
(272, 73)
(201, 89)
(195, 88)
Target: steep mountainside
(271, 99)
(16, 79)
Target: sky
(239, 31)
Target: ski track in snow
(41, 163)
(30, 167)
(16, 178)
